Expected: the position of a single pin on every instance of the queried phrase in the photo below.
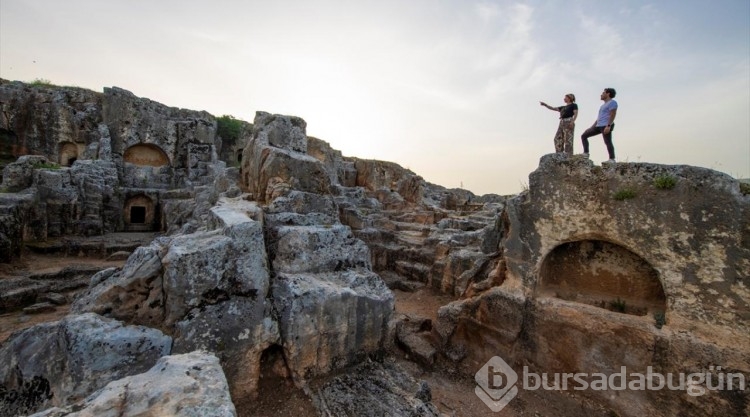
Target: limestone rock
(209, 289)
(284, 132)
(413, 335)
(49, 120)
(187, 385)
(318, 249)
(82, 353)
(224, 308)
(635, 265)
(330, 319)
(19, 175)
(39, 308)
(375, 389)
(274, 160)
(134, 294)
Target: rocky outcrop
(275, 160)
(209, 289)
(97, 163)
(57, 122)
(332, 309)
(187, 385)
(636, 265)
(60, 363)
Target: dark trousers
(593, 131)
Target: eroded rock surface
(594, 281)
(374, 389)
(60, 363)
(187, 385)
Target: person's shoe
(609, 161)
(585, 155)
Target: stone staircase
(422, 245)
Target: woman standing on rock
(568, 115)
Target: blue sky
(449, 89)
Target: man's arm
(612, 114)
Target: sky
(448, 89)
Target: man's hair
(611, 91)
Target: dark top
(567, 110)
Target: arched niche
(602, 274)
(146, 155)
(68, 153)
(139, 213)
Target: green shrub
(624, 194)
(665, 182)
(46, 165)
(228, 128)
(745, 188)
(41, 82)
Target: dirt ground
(36, 264)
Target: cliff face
(635, 265)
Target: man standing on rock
(604, 124)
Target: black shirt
(567, 110)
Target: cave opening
(602, 274)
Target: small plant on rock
(46, 165)
(41, 82)
(665, 182)
(745, 188)
(624, 194)
(618, 305)
(660, 319)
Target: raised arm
(541, 103)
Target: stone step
(414, 271)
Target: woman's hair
(572, 97)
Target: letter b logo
(496, 384)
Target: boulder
(19, 175)
(275, 160)
(134, 294)
(187, 385)
(81, 354)
(209, 289)
(330, 320)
